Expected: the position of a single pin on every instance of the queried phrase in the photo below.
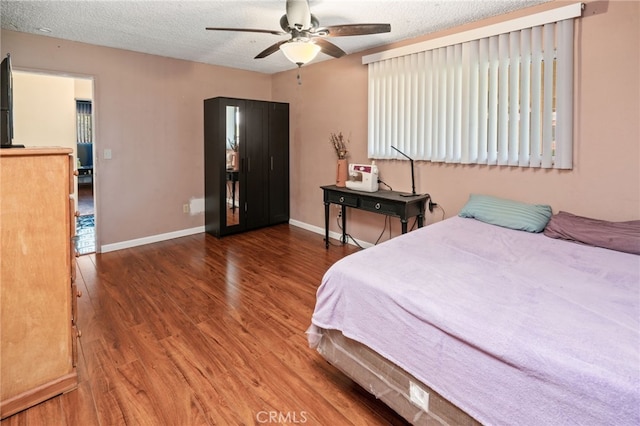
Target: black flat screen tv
(6, 105)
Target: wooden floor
(206, 331)
(85, 199)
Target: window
(84, 128)
(84, 136)
(501, 99)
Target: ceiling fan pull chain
(298, 77)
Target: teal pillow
(507, 213)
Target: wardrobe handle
(272, 163)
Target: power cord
(329, 240)
(430, 205)
(384, 183)
(386, 220)
(347, 236)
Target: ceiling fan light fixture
(300, 52)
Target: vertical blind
(84, 126)
(506, 99)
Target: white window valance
(487, 99)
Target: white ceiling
(176, 29)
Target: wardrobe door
(224, 180)
(278, 162)
(255, 163)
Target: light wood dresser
(38, 308)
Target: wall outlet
(419, 396)
(185, 208)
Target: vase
(235, 164)
(342, 172)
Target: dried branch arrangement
(339, 144)
(233, 144)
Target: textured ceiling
(176, 29)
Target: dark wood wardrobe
(246, 150)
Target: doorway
(50, 100)
(85, 222)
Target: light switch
(107, 154)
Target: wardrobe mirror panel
(233, 164)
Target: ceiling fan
(307, 36)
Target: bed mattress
(511, 327)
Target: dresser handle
(377, 206)
(79, 293)
(342, 199)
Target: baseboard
(332, 234)
(200, 229)
(151, 239)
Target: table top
(404, 197)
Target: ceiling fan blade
(329, 48)
(299, 14)
(353, 30)
(247, 30)
(271, 49)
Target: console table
(233, 177)
(390, 203)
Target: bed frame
(391, 384)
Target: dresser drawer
(379, 206)
(344, 199)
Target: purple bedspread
(514, 328)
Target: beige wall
(149, 113)
(83, 89)
(605, 181)
(44, 110)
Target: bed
(465, 321)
